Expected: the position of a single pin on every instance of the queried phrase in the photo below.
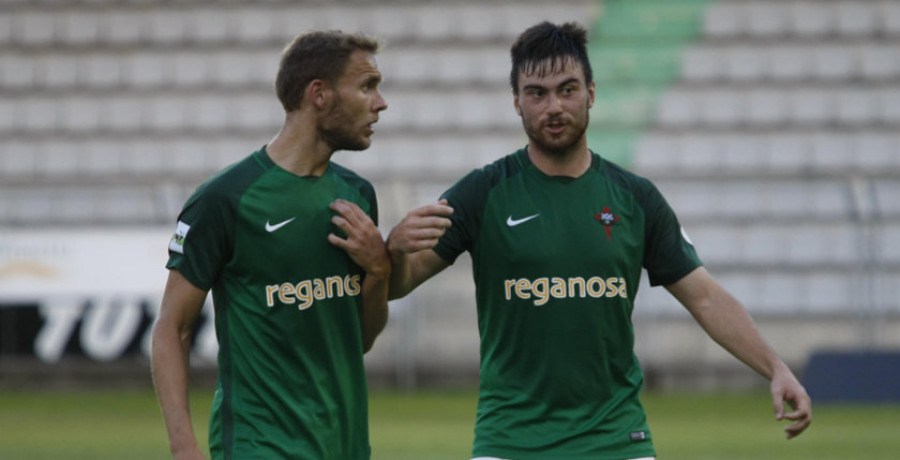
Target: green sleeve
(669, 255)
(206, 228)
(468, 198)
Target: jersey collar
(525, 161)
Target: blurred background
(772, 127)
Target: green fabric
(557, 263)
(291, 378)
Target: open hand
(363, 243)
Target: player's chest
(565, 226)
(286, 230)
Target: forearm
(169, 365)
(374, 308)
(728, 323)
(410, 246)
(401, 275)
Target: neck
(572, 163)
(297, 149)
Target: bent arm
(409, 270)
(367, 249)
(170, 348)
(374, 307)
(727, 322)
(410, 246)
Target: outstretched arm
(366, 247)
(170, 348)
(725, 320)
(410, 246)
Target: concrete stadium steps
(802, 19)
(789, 294)
(767, 106)
(766, 153)
(147, 99)
(201, 23)
(189, 158)
(868, 60)
(125, 70)
(782, 201)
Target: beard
(338, 129)
(557, 145)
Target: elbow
(370, 333)
(166, 334)
(397, 293)
(368, 342)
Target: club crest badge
(608, 219)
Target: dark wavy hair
(544, 48)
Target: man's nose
(554, 104)
(380, 103)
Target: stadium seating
(772, 127)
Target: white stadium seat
(835, 63)
(890, 18)
(789, 63)
(856, 18)
(812, 18)
(101, 71)
(124, 28)
(811, 107)
(80, 28)
(33, 28)
(743, 64)
(148, 69)
(768, 19)
(724, 19)
(880, 62)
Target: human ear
(318, 93)
(591, 94)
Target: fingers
(801, 416)
(431, 222)
(434, 216)
(803, 420)
(435, 209)
(351, 212)
(355, 223)
(421, 228)
(778, 404)
(363, 243)
(338, 241)
(791, 392)
(353, 220)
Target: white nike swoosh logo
(513, 222)
(271, 228)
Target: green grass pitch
(432, 425)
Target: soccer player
(286, 240)
(558, 238)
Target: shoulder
(642, 189)
(626, 179)
(488, 176)
(355, 182)
(231, 182)
(351, 177)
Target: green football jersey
(557, 262)
(291, 379)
